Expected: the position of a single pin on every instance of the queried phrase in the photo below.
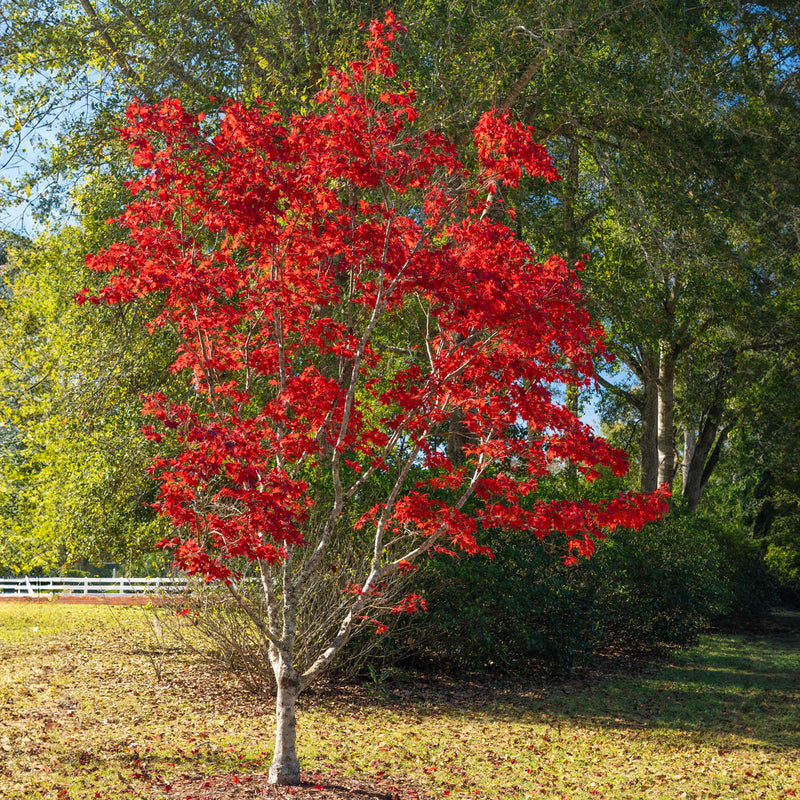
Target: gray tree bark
(666, 414)
(706, 454)
(689, 444)
(285, 768)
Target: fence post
(86, 585)
(30, 587)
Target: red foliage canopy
(339, 293)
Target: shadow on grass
(739, 693)
(730, 686)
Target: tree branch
(630, 397)
(175, 68)
(115, 52)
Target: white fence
(30, 587)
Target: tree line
(673, 127)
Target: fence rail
(32, 586)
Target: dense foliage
(526, 612)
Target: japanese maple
(339, 292)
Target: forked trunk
(285, 768)
(705, 455)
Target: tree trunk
(572, 401)
(689, 444)
(573, 398)
(666, 410)
(457, 433)
(285, 768)
(457, 437)
(706, 454)
(648, 441)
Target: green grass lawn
(83, 715)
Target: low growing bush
(641, 590)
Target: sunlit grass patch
(31, 621)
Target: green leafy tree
(72, 463)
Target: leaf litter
(84, 715)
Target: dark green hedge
(525, 609)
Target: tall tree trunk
(285, 768)
(572, 400)
(666, 412)
(648, 440)
(689, 444)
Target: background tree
(71, 380)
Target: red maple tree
(340, 294)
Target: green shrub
(525, 609)
(782, 558)
(750, 589)
(521, 608)
(659, 585)
(77, 573)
